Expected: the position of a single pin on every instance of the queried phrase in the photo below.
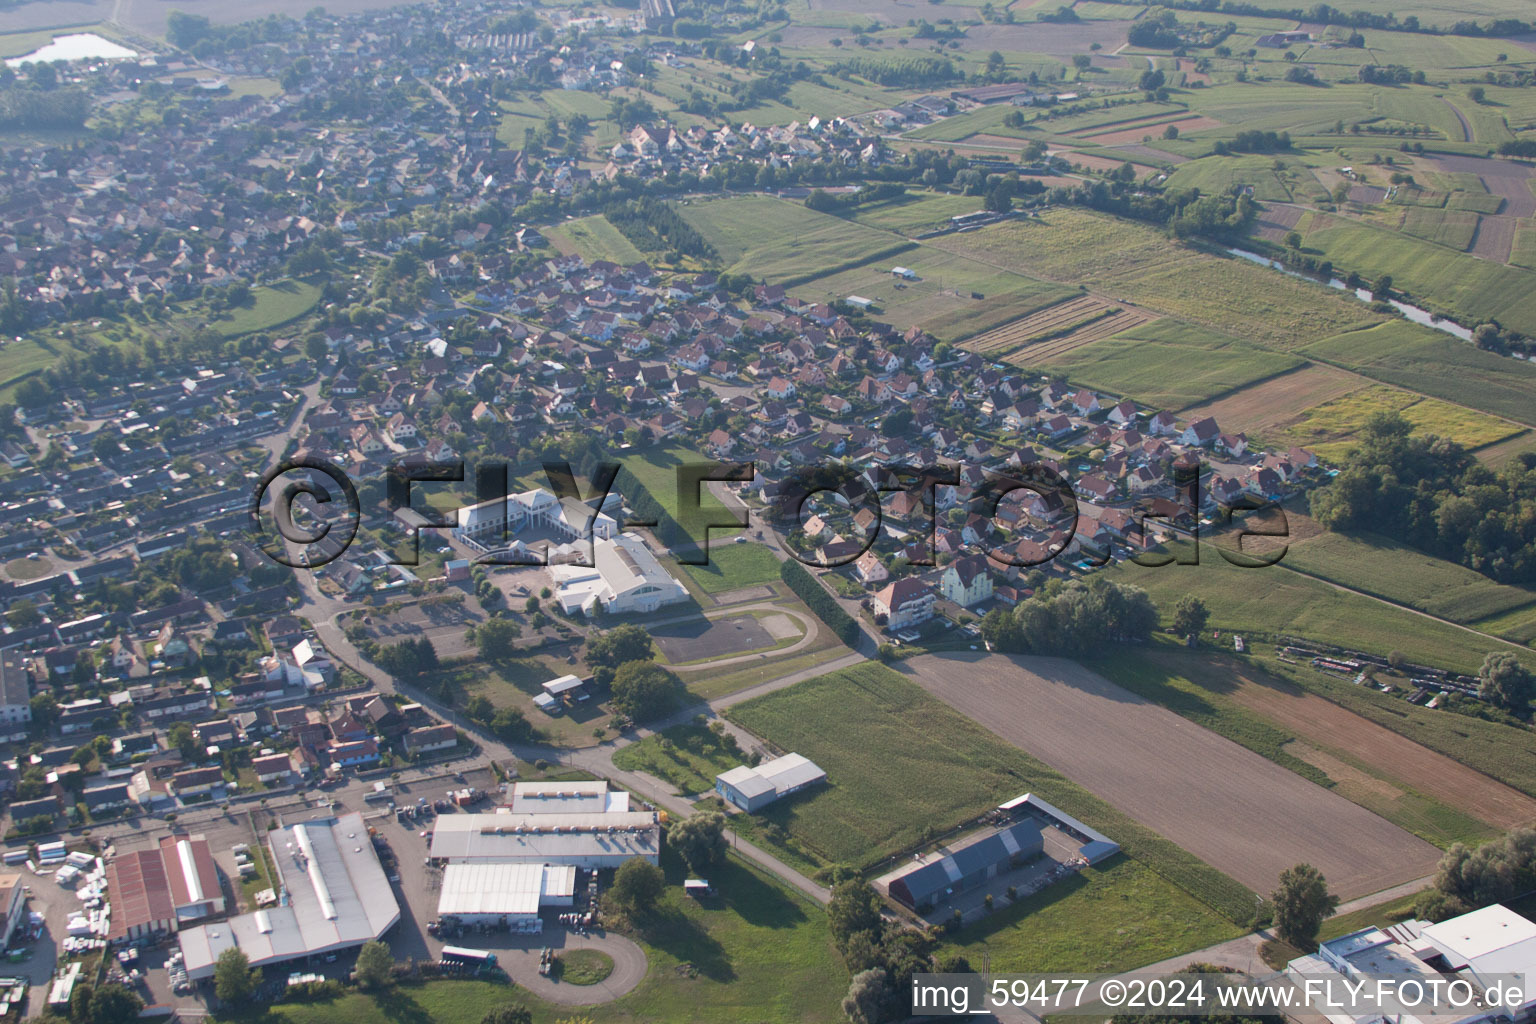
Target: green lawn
(759, 953)
(1114, 917)
(902, 765)
(733, 566)
(687, 757)
(784, 242)
(915, 212)
(594, 238)
(272, 306)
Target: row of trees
(1072, 618)
(1469, 879)
(819, 601)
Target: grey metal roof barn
(968, 864)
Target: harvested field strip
(1001, 340)
(1136, 133)
(1232, 808)
(1129, 122)
(1101, 328)
(1141, 122)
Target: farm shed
(968, 864)
(751, 788)
(1096, 845)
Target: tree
(637, 885)
(1302, 901)
(1171, 132)
(179, 735)
(853, 908)
(1190, 616)
(644, 690)
(1505, 682)
(508, 1013)
(374, 962)
(615, 646)
(114, 1004)
(233, 977)
(700, 839)
(496, 639)
(869, 997)
(1476, 94)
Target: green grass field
(1430, 362)
(1453, 228)
(1171, 365)
(1114, 917)
(733, 566)
(900, 762)
(594, 238)
(915, 212)
(272, 306)
(1383, 567)
(1329, 429)
(686, 757)
(1275, 600)
(759, 952)
(1218, 173)
(656, 469)
(784, 242)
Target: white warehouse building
(751, 788)
(505, 895)
(593, 841)
(624, 578)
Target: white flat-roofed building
(591, 841)
(333, 895)
(568, 798)
(505, 895)
(1481, 948)
(624, 578)
(752, 787)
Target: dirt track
(1225, 804)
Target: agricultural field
(1433, 363)
(593, 238)
(1216, 174)
(1439, 800)
(1330, 428)
(952, 297)
(1232, 808)
(1497, 750)
(784, 242)
(900, 761)
(1137, 264)
(1454, 282)
(1050, 322)
(1384, 568)
(1168, 364)
(1267, 409)
(915, 212)
(1275, 601)
(1452, 228)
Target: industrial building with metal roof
(752, 787)
(585, 840)
(567, 798)
(156, 891)
(966, 865)
(332, 895)
(504, 895)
